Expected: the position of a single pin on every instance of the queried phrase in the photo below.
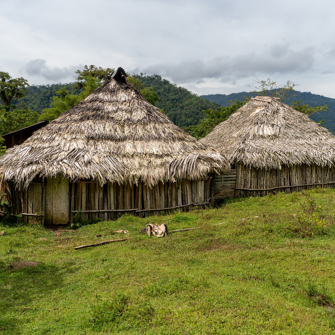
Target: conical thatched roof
(266, 133)
(113, 135)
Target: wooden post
(105, 200)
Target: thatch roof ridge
(112, 135)
(266, 133)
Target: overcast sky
(209, 46)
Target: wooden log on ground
(101, 243)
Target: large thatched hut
(272, 147)
(112, 153)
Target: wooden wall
(19, 136)
(224, 185)
(59, 201)
(252, 182)
(113, 200)
(30, 203)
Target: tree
(2, 147)
(16, 119)
(64, 101)
(213, 117)
(97, 72)
(11, 89)
(150, 95)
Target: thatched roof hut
(268, 135)
(113, 136)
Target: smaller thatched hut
(112, 153)
(271, 147)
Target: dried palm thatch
(113, 135)
(267, 134)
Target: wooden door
(57, 201)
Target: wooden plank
(72, 205)
(30, 201)
(43, 202)
(132, 195)
(128, 196)
(61, 200)
(78, 195)
(57, 200)
(83, 200)
(92, 198)
(112, 200)
(148, 197)
(38, 200)
(105, 201)
(201, 191)
(120, 197)
(96, 198)
(179, 194)
(140, 196)
(162, 195)
(89, 198)
(136, 196)
(49, 201)
(101, 201)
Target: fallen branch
(100, 243)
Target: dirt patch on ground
(23, 264)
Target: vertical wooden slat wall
(91, 196)
(260, 179)
(30, 201)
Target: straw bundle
(268, 134)
(113, 135)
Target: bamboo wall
(252, 182)
(52, 198)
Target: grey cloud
(331, 53)
(274, 59)
(38, 67)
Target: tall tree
(97, 72)
(11, 88)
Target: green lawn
(267, 269)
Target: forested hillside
(40, 97)
(306, 98)
(181, 106)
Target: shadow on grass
(21, 288)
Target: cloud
(39, 68)
(277, 58)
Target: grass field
(267, 269)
